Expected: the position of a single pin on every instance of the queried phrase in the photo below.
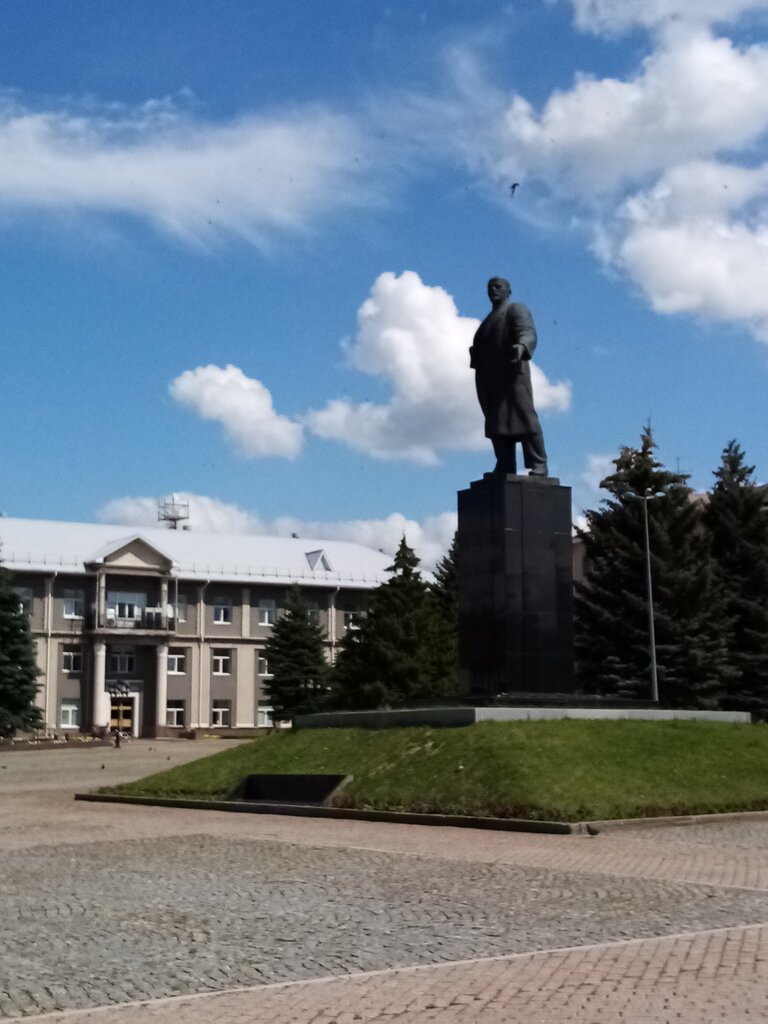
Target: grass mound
(558, 770)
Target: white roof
(42, 545)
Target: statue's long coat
(504, 384)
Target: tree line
(709, 572)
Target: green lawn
(560, 770)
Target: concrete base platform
(457, 716)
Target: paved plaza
(144, 914)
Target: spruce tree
(18, 667)
(398, 654)
(295, 653)
(445, 591)
(737, 519)
(612, 630)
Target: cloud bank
(430, 538)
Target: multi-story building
(158, 630)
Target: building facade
(158, 631)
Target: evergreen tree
(737, 519)
(18, 668)
(612, 633)
(398, 654)
(296, 656)
(446, 595)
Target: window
(125, 605)
(70, 714)
(122, 662)
(221, 712)
(222, 661)
(264, 716)
(264, 719)
(222, 610)
(24, 595)
(263, 666)
(72, 659)
(174, 713)
(177, 661)
(352, 619)
(74, 602)
(266, 611)
(313, 612)
(181, 608)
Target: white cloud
(695, 95)
(244, 408)
(618, 15)
(697, 242)
(664, 167)
(208, 515)
(598, 467)
(586, 485)
(250, 177)
(412, 335)
(430, 538)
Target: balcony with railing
(136, 617)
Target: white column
(244, 687)
(245, 611)
(102, 704)
(332, 625)
(164, 604)
(101, 599)
(161, 676)
(204, 696)
(48, 693)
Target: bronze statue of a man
(500, 355)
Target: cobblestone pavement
(701, 979)
(151, 908)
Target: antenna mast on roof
(172, 511)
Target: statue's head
(498, 289)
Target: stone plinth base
(515, 586)
(460, 716)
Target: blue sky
(245, 246)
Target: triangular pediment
(134, 553)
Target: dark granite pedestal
(515, 587)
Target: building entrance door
(121, 715)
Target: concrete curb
(619, 824)
(347, 813)
(579, 828)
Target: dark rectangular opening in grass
(288, 789)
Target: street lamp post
(645, 497)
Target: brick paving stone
(140, 911)
(585, 985)
(183, 913)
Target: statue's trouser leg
(534, 454)
(506, 458)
